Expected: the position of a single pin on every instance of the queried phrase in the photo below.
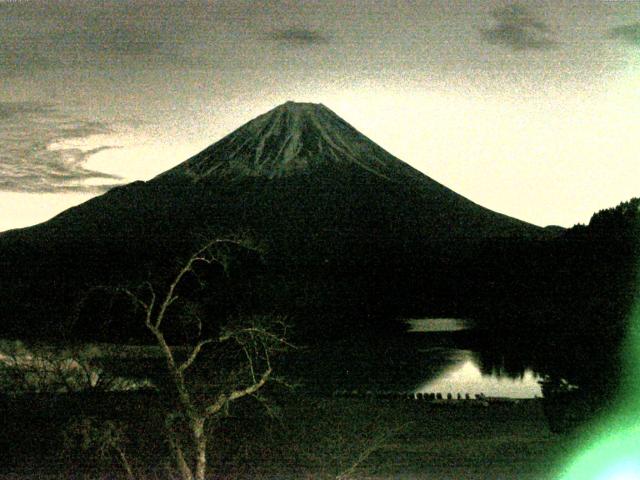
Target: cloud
(629, 33)
(519, 29)
(37, 153)
(104, 35)
(49, 35)
(299, 36)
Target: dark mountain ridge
(347, 226)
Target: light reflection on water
(464, 376)
(463, 373)
(426, 325)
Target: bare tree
(199, 395)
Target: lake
(463, 370)
(424, 360)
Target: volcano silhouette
(302, 163)
(336, 212)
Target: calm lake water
(427, 325)
(463, 372)
(424, 360)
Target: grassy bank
(310, 437)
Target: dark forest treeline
(572, 319)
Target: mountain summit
(306, 153)
(289, 139)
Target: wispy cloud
(36, 155)
(518, 28)
(299, 36)
(629, 33)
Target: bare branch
(376, 444)
(250, 361)
(194, 354)
(197, 257)
(255, 330)
(269, 408)
(267, 356)
(147, 307)
(136, 299)
(183, 466)
(250, 390)
(237, 394)
(125, 462)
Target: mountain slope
(296, 145)
(341, 218)
(292, 138)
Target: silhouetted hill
(349, 230)
(568, 304)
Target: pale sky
(528, 108)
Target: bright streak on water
(425, 325)
(465, 377)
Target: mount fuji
(347, 226)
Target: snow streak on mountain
(292, 138)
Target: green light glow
(611, 449)
(623, 471)
(613, 456)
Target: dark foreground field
(310, 437)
